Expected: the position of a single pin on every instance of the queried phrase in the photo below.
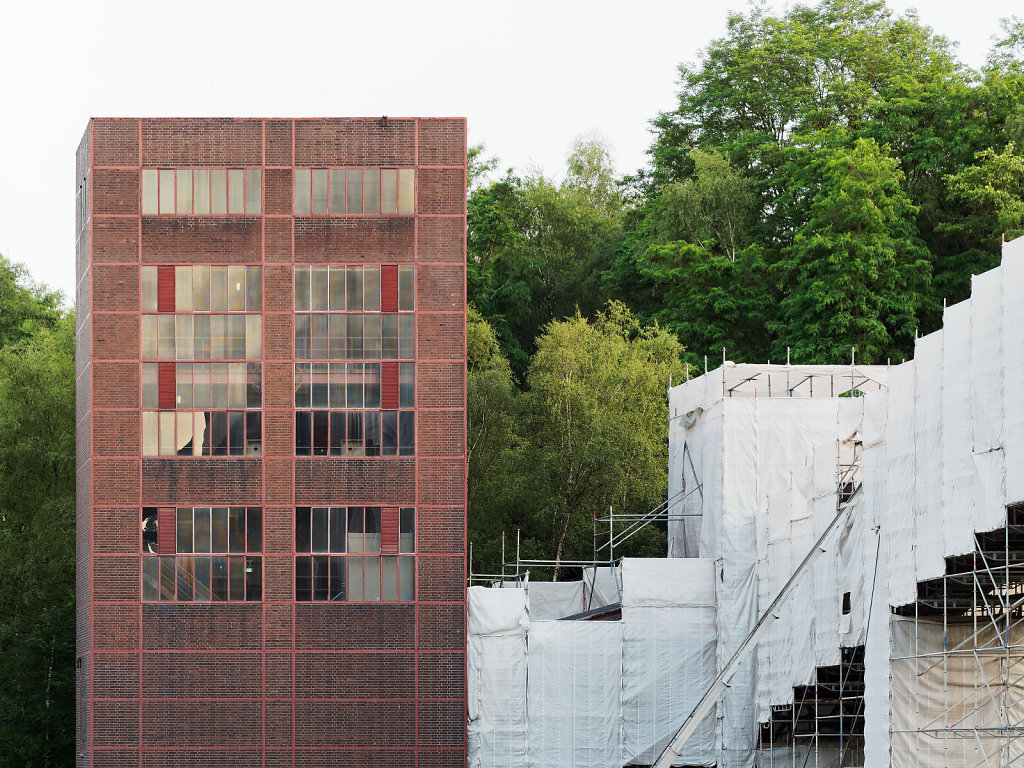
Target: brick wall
(274, 682)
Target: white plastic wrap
(1012, 359)
(574, 691)
(986, 374)
(555, 599)
(928, 518)
(901, 466)
(601, 587)
(876, 414)
(957, 464)
(497, 611)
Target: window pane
(319, 336)
(302, 385)
(319, 527)
(237, 588)
(371, 337)
(150, 389)
(219, 339)
(184, 196)
(371, 577)
(321, 421)
(337, 334)
(302, 183)
(253, 433)
(355, 433)
(149, 192)
(185, 576)
(150, 529)
(253, 337)
(302, 289)
(254, 385)
(201, 192)
(371, 385)
(167, 578)
(236, 529)
(219, 384)
(219, 529)
(218, 289)
(406, 289)
(355, 529)
(407, 530)
(389, 433)
(254, 578)
(337, 433)
(303, 433)
(319, 289)
(150, 336)
(406, 336)
(166, 191)
(303, 529)
(149, 289)
(254, 529)
(354, 388)
(253, 192)
(236, 288)
(355, 578)
(337, 289)
(218, 192)
(237, 326)
(236, 385)
(320, 578)
(201, 288)
(166, 341)
(202, 579)
(253, 289)
(389, 190)
(355, 190)
(371, 436)
(219, 580)
(389, 582)
(354, 337)
(371, 191)
(336, 396)
(406, 188)
(201, 391)
(302, 342)
(200, 439)
(167, 447)
(354, 286)
(338, 526)
(372, 533)
(150, 579)
(303, 579)
(183, 335)
(183, 441)
(337, 578)
(406, 385)
(406, 578)
(337, 191)
(319, 191)
(406, 433)
(202, 529)
(149, 433)
(236, 191)
(219, 433)
(389, 337)
(371, 289)
(201, 337)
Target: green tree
(37, 547)
(856, 273)
(24, 306)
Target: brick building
(271, 442)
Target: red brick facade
(273, 682)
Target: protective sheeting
(957, 461)
(928, 549)
(497, 668)
(555, 599)
(574, 693)
(1012, 359)
(901, 485)
(601, 587)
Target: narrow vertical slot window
(303, 529)
(354, 286)
(355, 578)
(320, 285)
(253, 289)
(150, 192)
(253, 578)
(303, 433)
(236, 191)
(337, 289)
(218, 289)
(406, 579)
(218, 192)
(302, 289)
(406, 433)
(389, 581)
(337, 433)
(371, 289)
(202, 579)
(185, 579)
(183, 203)
(407, 530)
(253, 191)
(406, 190)
(406, 288)
(219, 578)
(337, 590)
(371, 190)
(253, 529)
(406, 385)
(389, 190)
(166, 191)
(253, 433)
(302, 185)
(338, 527)
(149, 289)
(167, 578)
(354, 194)
(236, 579)
(219, 529)
(200, 288)
(201, 192)
(236, 288)
(337, 191)
(253, 337)
(236, 529)
(303, 579)
(406, 336)
(319, 197)
(320, 578)
(183, 385)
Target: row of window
(202, 579)
(355, 578)
(202, 385)
(355, 337)
(202, 530)
(202, 288)
(202, 337)
(388, 288)
(355, 385)
(202, 191)
(202, 433)
(342, 191)
(355, 433)
(355, 530)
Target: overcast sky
(530, 77)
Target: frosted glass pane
(236, 288)
(218, 191)
(183, 289)
(218, 289)
(198, 433)
(149, 433)
(337, 191)
(253, 289)
(319, 199)
(200, 288)
(371, 191)
(201, 192)
(354, 185)
(406, 187)
(302, 182)
(166, 191)
(406, 289)
(236, 191)
(184, 202)
(149, 289)
(319, 289)
(183, 336)
(184, 436)
(253, 191)
(253, 337)
(167, 447)
(389, 190)
(150, 197)
(371, 289)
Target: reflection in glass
(201, 288)
(407, 530)
(219, 529)
(301, 289)
(320, 578)
(303, 579)
(202, 529)
(337, 529)
(319, 529)
(303, 530)
(150, 579)
(219, 578)
(167, 578)
(237, 579)
(185, 579)
(254, 529)
(355, 578)
(236, 529)
(406, 578)
(202, 579)
(337, 587)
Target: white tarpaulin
(957, 463)
(554, 599)
(901, 485)
(1012, 359)
(928, 549)
(987, 401)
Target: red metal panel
(389, 386)
(389, 288)
(165, 529)
(165, 289)
(166, 385)
(389, 531)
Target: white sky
(530, 76)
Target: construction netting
(593, 693)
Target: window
(202, 288)
(355, 554)
(202, 554)
(348, 191)
(201, 191)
